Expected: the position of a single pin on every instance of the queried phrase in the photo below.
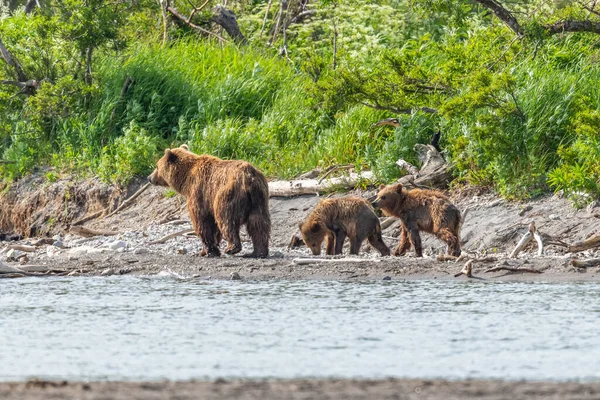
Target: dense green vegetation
(116, 82)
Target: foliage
(519, 114)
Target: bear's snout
(375, 204)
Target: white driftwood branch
(130, 200)
(530, 234)
(171, 236)
(467, 270)
(511, 269)
(313, 186)
(306, 261)
(22, 247)
(411, 169)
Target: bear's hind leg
(451, 240)
(210, 236)
(377, 242)
(259, 230)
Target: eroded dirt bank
(492, 228)
(297, 389)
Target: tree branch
(376, 106)
(573, 26)
(183, 20)
(12, 62)
(503, 14)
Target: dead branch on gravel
(511, 269)
(447, 257)
(334, 169)
(530, 234)
(88, 218)
(22, 247)
(593, 262)
(589, 243)
(87, 232)
(307, 261)
(171, 236)
(130, 200)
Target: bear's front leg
(340, 236)
(330, 244)
(404, 244)
(415, 240)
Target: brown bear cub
(221, 197)
(426, 210)
(334, 219)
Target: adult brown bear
(221, 196)
(427, 210)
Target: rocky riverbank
(300, 389)
(129, 242)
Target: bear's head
(313, 235)
(170, 169)
(389, 198)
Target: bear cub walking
(221, 196)
(426, 210)
(334, 219)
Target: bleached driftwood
(313, 186)
(530, 234)
(411, 169)
(511, 269)
(87, 232)
(467, 270)
(589, 243)
(306, 261)
(130, 200)
(7, 269)
(171, 236)
(386, 223)
(593, 262)
(22, 247)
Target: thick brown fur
(334, 219)
(221, 197)
(426, 210)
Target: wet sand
(299, 389)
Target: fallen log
(594, 262)
(22, 247)
(88, 218)
(307, 261)
(171, 236)
(511, 269)
(87, 232)
(386, 223)
(7, 269)
(130, 200)
(313, 186)
(589, 243)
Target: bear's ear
(381, 187)
(315, 227)
(185, 147)
(171, 157)
(399, 188)
(300, 225)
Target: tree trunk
(226, 18)
(12, 62)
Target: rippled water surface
(127, 328)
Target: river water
(132, 328)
